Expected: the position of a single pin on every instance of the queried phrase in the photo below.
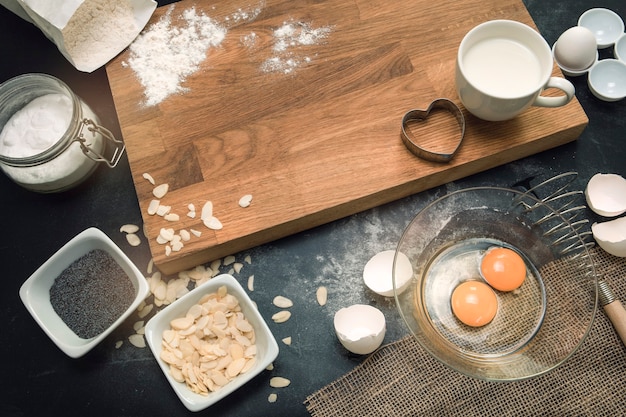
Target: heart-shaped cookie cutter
(419, 115)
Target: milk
(502, 67)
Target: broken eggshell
(378, 273)
(611, 236)
(360, 328)
(606, 194)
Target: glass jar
(50, 140)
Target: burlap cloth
(401, 379)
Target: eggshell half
(360, 328)
(611, 236)
(378, 273)
(606, 194)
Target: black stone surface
(38, 379)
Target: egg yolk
(474, 303)
(503, 268)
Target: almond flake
(279, 382)
(282, 316)
(163, 210)
(153, 207)
(160, 190)
(207, 211)
(129, 228)
(172, 217)
(322, 295)
(230, 259)
(282, 302)
(245, 201)
(213, 223)
(287, 341)
(251, 283)
(133, 239)
(272, 397)
(149, 178)
(195, 232)
(137, 340)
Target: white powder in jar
(166, 53)
(99, 30)
(40, 124)
(37, 126)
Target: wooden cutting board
(321, 142)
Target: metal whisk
(572, 236)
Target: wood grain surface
(321, 142)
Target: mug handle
(561, 84)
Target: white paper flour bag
(89, 33)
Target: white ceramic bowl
(267, 348)
(607, 80)
(605, 24)
(619, 50)
(35, 292)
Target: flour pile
(169, 51)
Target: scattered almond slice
(213, 223)
(133, 239)
(137, 340)
(282, 302)
(195, 232)
(279, 382)
(153, 207)
(322, 295)
(237, 267)
(172, 217)
(150, 266)
(248, 259)
(191, 214)
(207, 211)
(282, 316)
(229, 260)
(245, 200)
(145, 311)
(149, 178)
(185, 235)
(138, 325)
(160, 190)
(287, 341)
(129, 228)
(272, 397)
(119, 344)
(251, 283)
(163, 210)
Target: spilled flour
(165, 54)
(289, 39)
(172, 49)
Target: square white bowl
(35, 292)
(267, 348)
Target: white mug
(502, 67)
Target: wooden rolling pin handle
(617, 314)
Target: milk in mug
(502, 68)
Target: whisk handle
(617, 314)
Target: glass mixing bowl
(536, 327)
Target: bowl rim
(600, 66)
(607, 16)
(34, 292)
(435, 354)
(267, 347)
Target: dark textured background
(38, 379)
